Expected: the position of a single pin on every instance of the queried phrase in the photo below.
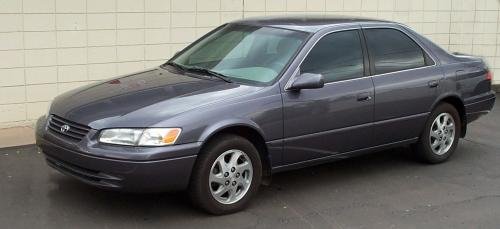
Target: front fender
(224, 124)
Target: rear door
(336, 118)
(405, 77)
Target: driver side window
(337, 56)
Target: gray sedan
(264, 95)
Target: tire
(210, 172)
(431, 149)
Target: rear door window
(391, 50)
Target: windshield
(244, 53)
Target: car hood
(142, 99)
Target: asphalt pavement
(388, 189)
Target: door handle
(433, 83)
(364, 96)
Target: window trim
(361, 28)
(372, 66)
(364, 51)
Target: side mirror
(308, 81)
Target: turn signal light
(171, 136)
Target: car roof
(306, 23)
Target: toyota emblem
(64, 128)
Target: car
(264, 95)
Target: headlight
(159, 136)
(140, 137)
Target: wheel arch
(247, 130)
(456, 102)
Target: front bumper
(133, 169)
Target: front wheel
(226, 175)
(440, 136)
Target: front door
(337, 118)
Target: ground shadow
(146, 207)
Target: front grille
(75, 132)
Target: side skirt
(341, 156)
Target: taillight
(489, 75)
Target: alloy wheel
(230, 176)
(442, 133)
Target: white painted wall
(50, 46)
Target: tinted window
(337, 56)
(392, 50)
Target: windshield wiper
(200, 70)
(176, 65)
(209, 72)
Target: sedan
(264, 95)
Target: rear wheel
(226, 175)
(440, 136)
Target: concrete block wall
(50, 46)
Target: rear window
(391, 50)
